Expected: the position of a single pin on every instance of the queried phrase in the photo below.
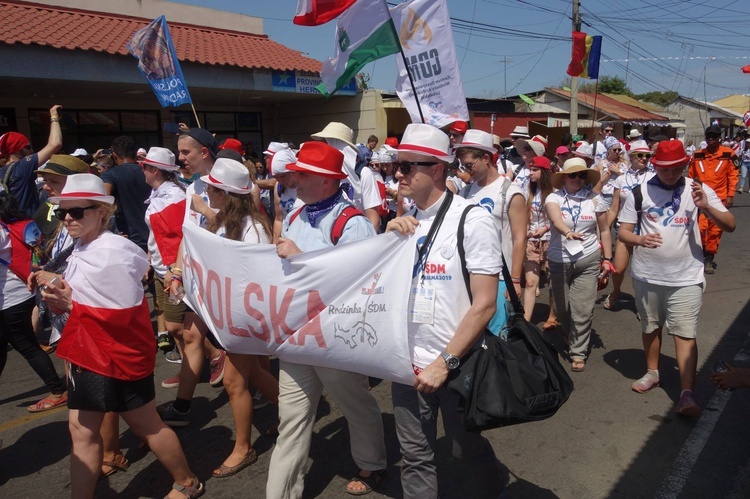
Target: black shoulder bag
(512, 379)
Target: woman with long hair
(537, 240)
(108, 342)
(640, 154)
(239, 219)
(17, 304)
(574, 254)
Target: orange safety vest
(716, 170)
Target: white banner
(343, 307)
(424, 29)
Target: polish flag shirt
(109, 330)
(164, 215)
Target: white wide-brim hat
(280, 160)
(336, 130)
(160, 157)
(229, 175)
(477, 139)
(520, 131)
(574, 165)
(83, 186)
(426, 140)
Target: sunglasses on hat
(75, 213)
(405, 166)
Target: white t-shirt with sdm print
(579, 215)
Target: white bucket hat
(426, 140)
(537, 143)
(634, 134)
(477, 139)
(83, 186)
(279, 161)
(521, 131)
(375, 157)
(160, 157)
(229, 175)
(336, 130)
(275, 147)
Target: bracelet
(178, 279)
(515, 280)
(55, 120)
(174, 269)
(568, 233)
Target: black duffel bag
(511, 379)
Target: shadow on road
(33, 451)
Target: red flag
(746, 69)
(316, 12)
(575, 68)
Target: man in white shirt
(440, 338)
(600, 149)
(667, 264)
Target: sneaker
(216, 367)
(646, 383)
(172, 382)
(174, 356)
(164, 342)
(174, 418)
(687, 407)
(708, 267)
(260, 401)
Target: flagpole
(596, 94)
(406, 63)
(196, 115)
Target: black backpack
(512, 379)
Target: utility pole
(574, 79)
(627, 62)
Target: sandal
(577, 365)
(48, 403)
(191, 492)
(610, 304)
(224, 471)
(369, 482)
(119, 463)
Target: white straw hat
(336, 130)
(83, 186)
(160, 157)
(426, 140)
(229, 175)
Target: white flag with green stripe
(364, 33)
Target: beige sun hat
(336, 130)
(574, 165)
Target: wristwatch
(450, 360)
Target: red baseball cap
(541, 162)
(459, 127)
(234, 145)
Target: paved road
(607, 441)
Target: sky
(507, 47)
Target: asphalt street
(607, 441)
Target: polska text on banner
(343, 307)
(364, 33)
(157, 60)
(426, 37)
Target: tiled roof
(613, 108)
(35, 24)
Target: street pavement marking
(30, 417)
(675, 481)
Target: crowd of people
(106, 229)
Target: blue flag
(157, 60)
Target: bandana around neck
(676, 190)
(317, 210)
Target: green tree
(607, 85)
(659, 98)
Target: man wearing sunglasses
(714, 167)
(600, 149)
(444, 322)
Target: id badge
(573, 246)
(422, 305)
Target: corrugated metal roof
(609, 107)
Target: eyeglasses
(468, 166)
(75, 213)
(580, 175)
(609, 130)
(616, 150)
(641, 155)
(405, 166)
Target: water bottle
(176, 298)
(721, 367)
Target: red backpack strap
(338, 225)
(295, 215)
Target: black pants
(16, 329)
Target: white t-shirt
(679, 259)
(492, 198)
(252, 232)
(14, 289)
(364, 193)
(523, 178)
(579, 214)
(442, 271)
(538, 217)
(197, 187)
(626, 182)
(392, 184)
(288, 201)
(458, 184)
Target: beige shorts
(675, 307)
(172, 313)
(536, 252)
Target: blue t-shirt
(22, 184)
(131, 191)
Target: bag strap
(6, 177)
(338, 225)
(638, 198)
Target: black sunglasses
(75, 213)
(405, 166)
(581, 175)
(641, 155)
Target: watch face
(452, 362)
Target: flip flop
(577, 365)
(48, 403)
(611, 305)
